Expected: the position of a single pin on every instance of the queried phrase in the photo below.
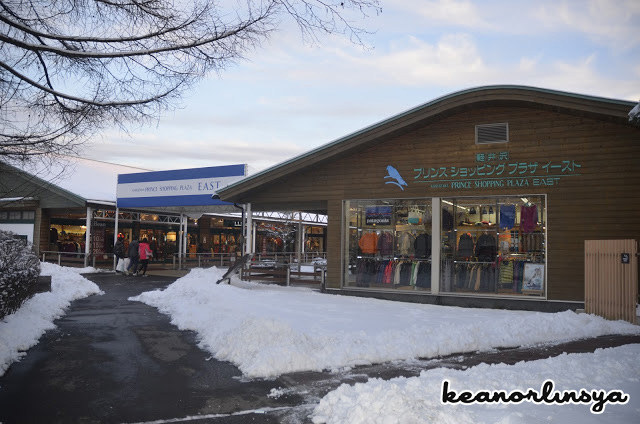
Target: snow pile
(269, 330)
(22, 329)
(418, 399)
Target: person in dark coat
(118, 249)
(134, 255)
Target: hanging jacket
(465, 246)
(507, 216)
(405, 244)
(528, 218)
(422, 245)
(368, 243)
(486, 248)
(447, 220)
(385, 243)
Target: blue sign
(380, 215)
(183, 187)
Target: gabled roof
(77, 179)
(499, 95)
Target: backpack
(465, 246)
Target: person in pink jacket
(145, 255)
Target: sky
(289, 96)
(264, 340)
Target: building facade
(61, 217)
(483, 197)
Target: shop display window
(493, 245)
(389, 244)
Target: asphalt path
(111, 360)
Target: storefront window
(389, 244)
(493, 245)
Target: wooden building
(484, 197)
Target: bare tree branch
(70, 68)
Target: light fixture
(490, 209)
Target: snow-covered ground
(419, 399)
(22, 329)
(269, 330)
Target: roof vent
(492, 133)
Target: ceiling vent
(492, 133)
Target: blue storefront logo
(395, 175)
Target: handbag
(120, 266)
(415, 216)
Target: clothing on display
(422, 245)
(507, 216)
(447, 220)
(465, 246)
(385, 243)
(486, 248)
(405, 244)
(369, 243)
(528, 218)
(474, 277)
(393, 272)
(511, 275)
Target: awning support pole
(115, 239)
(249, 229)
(87, 237)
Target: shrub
(19, 271)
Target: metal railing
(193, 260)
(261, 263)
(77, 259)
(74, 259)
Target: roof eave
(404, 121)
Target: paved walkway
(114, 361)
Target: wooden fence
(611, 279)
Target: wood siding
(603, 202)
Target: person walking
(145, 253)
(118, 250)
(134, 256)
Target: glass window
(389, 244)
(493, 245)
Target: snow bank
(269, 330)
(418, 399)
(22, 329)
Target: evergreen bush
(19, 271)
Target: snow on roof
(635, 112)
(87, 178)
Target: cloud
(611, 22)
(451, 13)
(157, 152)
(289, 97)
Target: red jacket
(145, 251)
